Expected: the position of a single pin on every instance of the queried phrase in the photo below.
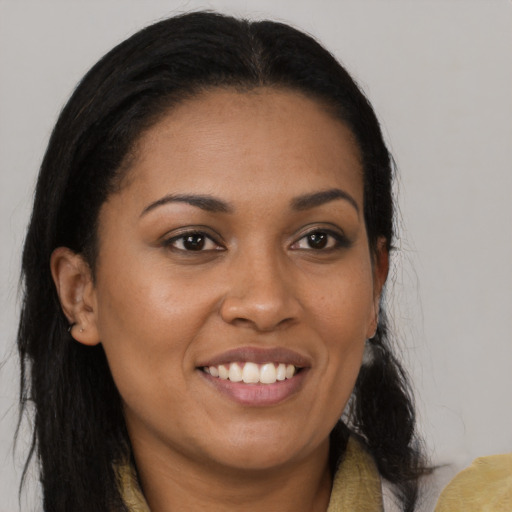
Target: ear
(380, 274)
(75, 288)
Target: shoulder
(486, 485)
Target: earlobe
(75, 288)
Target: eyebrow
(214, 205)
(205, 202)
(315, 199)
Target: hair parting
(79, 430)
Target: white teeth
(281, 372)
(235, 372)
(252, 373)
(223, 372)
(268, 373)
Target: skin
(159, 310)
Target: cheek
(342, 318)
(146, 340)
(143, 301)
(146, 324)
(343, 308)
(344, 335)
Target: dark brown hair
(79, 429)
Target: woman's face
(237, 248)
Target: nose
(261, 294)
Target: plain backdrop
(439, 74)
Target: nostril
(262, 323)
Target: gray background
(439, 74)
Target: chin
(252, 449)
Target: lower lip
(258, 395)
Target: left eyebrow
(204, 202)
(315, 199)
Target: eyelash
(332, 240)
(206, 239)
(338, 240)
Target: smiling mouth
(252, 373)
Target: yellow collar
(356, 486)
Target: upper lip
(259, 356)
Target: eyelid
(341, 240)
(170, 238)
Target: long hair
(79, 430)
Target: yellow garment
(486, 486)
(356, 484)
(130, 490)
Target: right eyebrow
(307, 201)
(205, 202)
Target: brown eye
(321, 240)
(192, 242)
(317, 240)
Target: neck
(171, 482)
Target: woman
(203, 274)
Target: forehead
(225, 142)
